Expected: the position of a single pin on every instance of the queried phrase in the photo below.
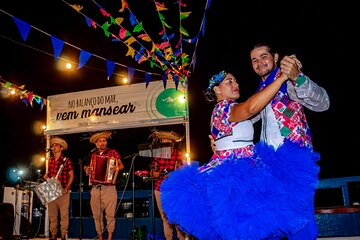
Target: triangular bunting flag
(90, 22)
(41, 104)
(130, 52)
(131, 72)
(184, 15)
(208, 4)
(203, 28)
(25, 100)
(138, 27)
(83, 58)
(133, 20)
(23, 27)
(122, 33)
(164, 78)
(147, 78)
(110, 68)
(176, 80)
(124, 5)
(192, 40)
(31, 97)
(142, 59)
(57, 46)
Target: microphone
(96, 148)
(49, 149)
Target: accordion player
(104, 169)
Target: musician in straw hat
(103, 194)
(66, 177)
(161, 166)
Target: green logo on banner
(171, 103)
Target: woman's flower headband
(216, 79)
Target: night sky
(321, 35)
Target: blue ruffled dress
(246, 191)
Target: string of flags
(165, 53)
(27, 97)
(84, 56)
(173, 61)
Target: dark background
(321, 34)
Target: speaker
(6, 220)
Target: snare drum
(49, 190)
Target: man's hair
(264, 44)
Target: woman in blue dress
(238, 194)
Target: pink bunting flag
(30, 97)
(104, 13)
(122, 33)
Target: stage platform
(325, 238)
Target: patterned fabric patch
(285, 131)
(288, 112)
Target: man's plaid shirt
(167, 165)
(54, 166)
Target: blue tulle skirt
(267, 196)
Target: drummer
(103, 195)
(66, 177)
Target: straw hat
(96, 136)
(171, 135)
(59, 141)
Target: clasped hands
(291, 66)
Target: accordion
(104, 169)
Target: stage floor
(322, 238)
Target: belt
(98, 186)
(230, 143)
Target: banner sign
(116, 108)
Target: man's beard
(265, 74)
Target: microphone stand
(153, 208)
(153, 195)
(80, 199)
(133, 229)
(152, 179)
(28, 197)
(81, 184)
